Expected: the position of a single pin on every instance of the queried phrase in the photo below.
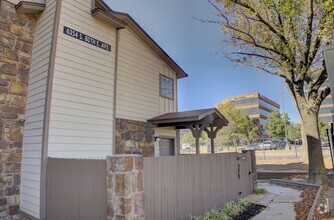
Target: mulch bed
(251, 211)
(317, 215)
(303, 207)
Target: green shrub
(260, 191)
(230, 209)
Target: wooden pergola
(197, 121)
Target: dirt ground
(287, 164)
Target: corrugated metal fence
(180, 186)
(76, 189)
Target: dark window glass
(251, 111)
(325, 110)
(166, 87)
(327, 101)
(245, 102)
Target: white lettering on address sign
(85, 38)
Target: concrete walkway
(279, 201)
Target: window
(251, 111)
(327, 101)
(325, 110)
(244, 102)
(166, 87)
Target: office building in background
(256, 106)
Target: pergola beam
(197, 129)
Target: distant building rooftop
(250, 96)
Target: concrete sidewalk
(279, 201)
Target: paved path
(279, 201)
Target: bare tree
(284, 38)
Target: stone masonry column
(16, 39)
(125, 187)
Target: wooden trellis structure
(197, 121)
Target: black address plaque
(85, 38)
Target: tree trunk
(304, 150)
(317, 172)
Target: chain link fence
(265, 148)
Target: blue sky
(195, 47)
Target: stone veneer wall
(134, 137)
(125, 187)
(16, 38)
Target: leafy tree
(284, 38)
(240, 126)
(323, 126)
(275, 124)
(294, 131)
(188, 138)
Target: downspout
(118, 30)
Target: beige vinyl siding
(81, 117)
(138, 96)
(33, 129)
(168, 105)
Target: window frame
(160, 77)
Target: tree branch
(324, 93)
(255, 55)
(219, 10)
(309, 30)
(270, 27)
(318, 39)
(315, 85)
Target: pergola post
(212, 145)
(212, 134)
(196, 130)
(197, 145)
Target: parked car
(267, 145)
(252, 147)
(282, 143)
(277, 143)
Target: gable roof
(180, 119)
(124, 20)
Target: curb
(316, 199)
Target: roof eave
(108, 17)
(141, 33)
(29, 7)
